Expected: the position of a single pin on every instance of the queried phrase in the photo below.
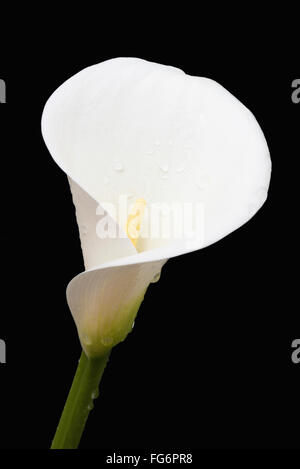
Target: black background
(208, 364)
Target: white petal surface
(104, 303)
(128, 126)
(97, 251)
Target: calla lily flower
(159, 163)
(152, 133)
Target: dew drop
(90, 406)
(156, 278)
(95, 394)
(164, 167)
(118, 166)
(86, 340)
(252, 208)
(84, 230)
(107, 340)
(180, 168)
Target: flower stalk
(79, 403)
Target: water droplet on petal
(156, 278)
(118, 165)
(107, 340)
(252, 208)
(164, 167)
(86, 339)
(180, 168)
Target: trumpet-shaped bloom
(128, 131)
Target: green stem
(80, 402)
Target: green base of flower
(80, 402)
(97, 341)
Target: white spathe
(128, 126)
